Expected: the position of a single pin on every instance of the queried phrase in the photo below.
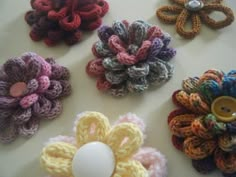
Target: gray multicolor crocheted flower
(131, 57)
(30, 88)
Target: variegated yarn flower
(30, 89)
(196, 12)
(131, 57)
(204, 127)
(101, 150)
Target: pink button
(18, 89)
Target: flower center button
(224, 108)
(194, 5)
(18, 89)
(93, 159)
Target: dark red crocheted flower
(57, 20)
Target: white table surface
(211, 49)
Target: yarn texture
(196, 12)
(124, 138)
(204, 125)
(30, 90)
(64, 20)
(131, 57)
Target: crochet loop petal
(169, 14)
(182, 20)
(229, 16)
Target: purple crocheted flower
(30, 88)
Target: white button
(93, 159)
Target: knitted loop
(182, 13)
(199, 129)
(8, 132)
(190, 85)
(225, 161)
(168, 14)
(53, 21)
(124, 139)
(103, 84)
(197, 148)
(213, 125)
(227, 143)
(181, 22)
(204, 166)
(130, 168)
(116, 77)
(181, 125)
(153, 160)
(229, 16)
(57, 158)
(92, 126)
(29, 128)
(133, 56)
(21, 116)
(198, 105)
(95, 68)
(112, 64)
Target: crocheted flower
(131, 57)
(57, 20)
(204, 127)
(197, 12)
(101, 150)
(30, 88)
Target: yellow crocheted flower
(62, 159)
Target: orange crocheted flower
(196, 11)
(204, 127)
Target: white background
(211, 49)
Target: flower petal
(28, 100)
(229, 16)
(57, 158)
(55, 110)
(181, 125)
(15, 69)
(4, 117)
(8, 102)
(33, 68)
(4, 88)
(44, 83)
(130, 169)
(54, 90)
(92, 126)
(8, 133)
(66, 88)
(32, 86)
(154, 161)
(22, 115)
(29, 128)
(169, 14)
(197, 148)
(181, 22)
(125, 139)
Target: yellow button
(224, 108)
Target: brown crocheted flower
(196, 11)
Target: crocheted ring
(196, 11)
(204, 127)
(62, 20)
(131, 57)
(62, 155)
(30, 89)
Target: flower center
(18, 89)
(224, 108)
(194, 5)
(92, 160)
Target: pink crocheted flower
(30, 88)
